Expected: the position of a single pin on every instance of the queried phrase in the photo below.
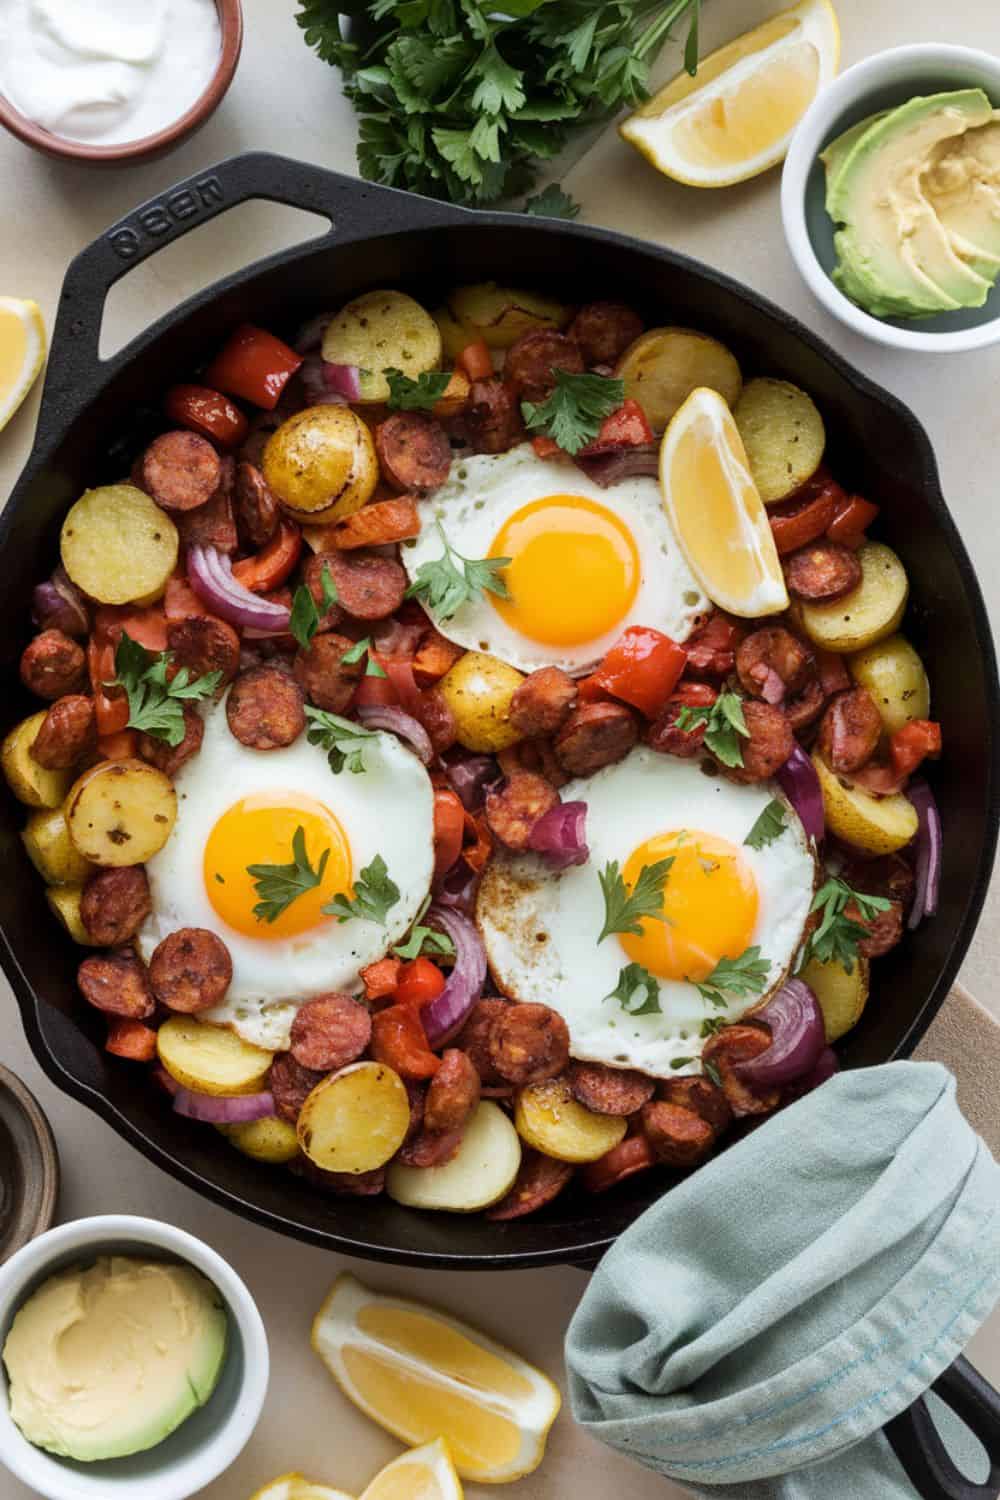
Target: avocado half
(962, 185)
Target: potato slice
(478, 689)
(499, 315)
(665, 365)
(868, 613)
(482, 1171)
(841, 996)
(894, 675)
(454, 336)
(550, 1119)
(783, 434)
(356, 1120)
(272, 1140)
(381, 331)
(52, 851)
(65, 903)
(211, 1059)
(879, 824)
(321, 463)
(118, 546)
(31, 783)
(121, 812)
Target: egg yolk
(258, 830)
(709, 901)
(574, 570)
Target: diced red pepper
(546, 447)
(122, 745)
(209, 413)
(909, 745)
(625, 428)
(399, 1041)
(477, 842)
(111, 709)
(375, 692)
(852, 518)
(475, 361)
(712, 649)
(805, 517)
(449, 827)
(131, 1039)
(253, 365)
(642, 668)
(147, 625)
(149, 628)
(420, 981)
(435, 656)
(591, 689)
(273, 564)
(380, 978)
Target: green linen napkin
(750, 1335)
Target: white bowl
(879, 82)
(206, 1444)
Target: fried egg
(721, 897)
(238, 807)
(584, 562)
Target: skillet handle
(918, 1446)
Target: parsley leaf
(415, 395)
(836, 938)
(768, 827)
(637, 992)
(711, 1025)
(374, 895)
(680, 1062)
(154, 703)
(724, 723)
(573, 414)
(735, 978)
(623, 909)
(364, 648)
(445, 586)
(306, 615)
(712, 1072)
(424, 939)
(552, 203)
(279, 885)
(343, 740)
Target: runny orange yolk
(710, 902)
(574, 570)
(258, 830)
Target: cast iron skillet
(92, 420)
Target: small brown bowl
(231, 23)
(29, 1167)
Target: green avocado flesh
(914, 193)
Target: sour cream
(106, 72)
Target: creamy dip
(106, 72)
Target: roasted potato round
(356, 1120)
(478, 689)
(894, 675)
(65, 903)
(881, 825)
(480, 1173)
(210, 1059)
(454, 336)
(841, 995)
(499, 315)
(118, 546)
(31, 783)
(868, 613)
(121, 812)
(271, 1140)
(382, 331)
(52, 851)
(665, 365)
(321, 463)
(550, 1119)
(783, 434)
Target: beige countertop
(285, 100)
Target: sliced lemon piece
(716, 512)
(421, 1373)
(297, 1487)
(425, 1473)
(22, 352)
(736, 116)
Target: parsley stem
(659, 28)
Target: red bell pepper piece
(253, 365)
(209, 413)
(123, 745)
(380, 978)
(111, 708)
(625, 428)
(909, 745)
(475, 361)
(399, 1041)
(449, 827)
(642, 668)
(420, 981)
(131, 1039)
(852, 518)
(546, 447)
(805, 517)
(375, 692)
(273, 564)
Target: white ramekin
(887, 79)
(206, 1444)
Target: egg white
(540, 928)
(387, 809)
(484, 491)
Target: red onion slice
(559, 836)
(798, 1037)
(210, 574)
(400, 723)
(470, 776)
(607, 469)
(825, 1066)
(343, 380)
(458, 887)
(58, 605)
(800, 784)
(929, 843)
(445, 1016)
(214, 1109)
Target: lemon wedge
(736, 116)
(22, 352)
(716, 512)
(296, 1487)
(422, 1374)
(425, 1473)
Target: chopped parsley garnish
(279, 885)
(364, 648)
(837, 937)
(343, 740)
(416, 395)
(624, 909)
(680, 1062)
(724, 724)
(768, 827)
(552, 203)
(422, 939)
(712, 1072)
(711, 1025)
(155, 705)
(637, 992)
(374, 895)
(573, 413)
(451, 580)
(735, 978)
(306, 614)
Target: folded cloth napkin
(751, 1334)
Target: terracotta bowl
(29, 1167)
(231, 22)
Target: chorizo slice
(452, 1094)
(666, 737)
(170, 758)
(725, 1051)
(474, 1038)
(712, 648)
(214, 523)
(540, 1180)
(513, 810)
(65, 733)
(533, 359)
(632, 1155)
(543, 702)
(265, 709)
(180, 470)
(290, 1085)
(884, 929)
(769, 745)
(343, 1184)
(850, 731)
(257, 510)
(114, 904)
(368, 588)
(323, 675)
(678, 1136)
(429, 1150)
(821, 572)
(701, 1095)
(805, 708)
(53, 665)
(190, 970)
(529, 1043)
(492, 418)
(329, 1032)
(595, 735)
(117, 984)
(204, 645)
(438, 719)
(413, 451)
(772, 663)
(416, 1093)
(604, 330)
(609, 1091)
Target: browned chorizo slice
(180, 470)
(369, 588)
(117, 984)
(170, 758)
(323, 675)
(805, 708)
(529, 1043)
(543, 702)
(664, 734)
(114, 904)
(772, 662)
(884, 929)
(204, 645)
(595, 735)
(439, 721)
(769, 745)
(540, 1179)
(65, 733)
(701, 1095)
(52, 665)
(850, 731)
(214, 523)
(822, 571)
(492, 417)
(429, 1150)
(604, 331)
(413, 451)
(290, 1085)
(633, 1154)
(343, 1184)
(329, 1032)
(678, 1136)
(416, 1093)
(532, 362)
(190, 970)
(513, 809)
(888, 875)
(257, 511)
(474, 1038)
(725, 1051)
(265, 709)
(452, 1093)
(317, 575)
(609, 1091)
